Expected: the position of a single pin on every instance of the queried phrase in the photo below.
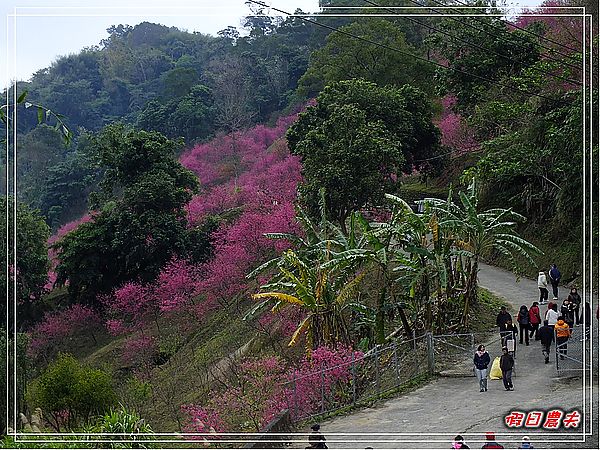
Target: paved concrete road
(455, 405)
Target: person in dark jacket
(586, 320)
(554, 275)
(523, 319)
(481, 359)
(490, 441)
(511, 332)
(546, 337)
(534, 319)
(507, 363)
(567, 311)
(316, 439)
(575, 300)
(501, 319)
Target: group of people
(490, 442)
(531, 325)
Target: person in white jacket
(552, 315)
(543, 286)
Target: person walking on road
(526, 443)
(575, 300)
(501, 319)
(507, 363)
(523, 319)
(481, 359)
(546, 338)
(552, 315)
(490, 441)
(543, 287)
(316, 439)
(554, 275)
(567, 311)
(510, 334)
(459, 442)
(534, 320)
(586, 320)
(563, 332)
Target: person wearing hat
(490, 441)
(459, 442)
(316, 439)
(525, 443)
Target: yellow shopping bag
(496, 373)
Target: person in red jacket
(534, 318)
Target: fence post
(416, 354)
(430, 355)
(472, 343)
(295, 401)
(396, 362)
(377, 369)
(322, 388)
(353, 380)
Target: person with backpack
(554, 275)
(546, 338)
(481, 359)
(543, 287)
(534, 320)
(575, 299)
(523, 319)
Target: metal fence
(379, 372)
(569, 354)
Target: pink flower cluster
(456, 134)
(263, 387)
(139, 350)
(48, 334)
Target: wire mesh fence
(379, 372)
(570, 350)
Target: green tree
(32, 263)
(496, 53)
(67, 386)
(139, 223)
(356, 139)
(386, 61)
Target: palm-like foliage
(321, 289)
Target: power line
(523, 29)
(502, 38)
(402, 52)
(508, 58)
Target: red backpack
(534, 313)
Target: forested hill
(189, 85)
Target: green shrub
(69, 393)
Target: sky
(47, 29)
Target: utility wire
(525, 30)
(504, 39)
(402, 52)
(508, 58)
